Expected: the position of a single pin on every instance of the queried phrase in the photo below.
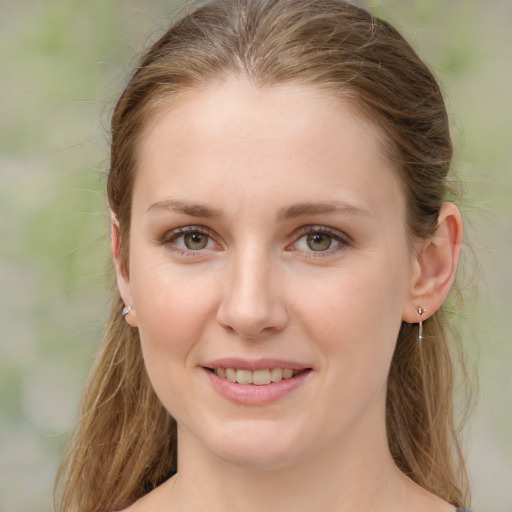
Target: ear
(434, 265)
(122, 275)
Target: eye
(319, 239)
(195, 240)
(189, 239)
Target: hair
(125, 442)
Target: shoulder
(137, 506)
(155, 501)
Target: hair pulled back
(125, 442)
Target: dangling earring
(126, 311)
(420, 327)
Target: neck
(342, 477)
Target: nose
(252, 305)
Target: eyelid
(169, 236)
(343, 239)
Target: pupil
(319, 242)
(195, 241)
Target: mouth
(261, 377)
(256, 382)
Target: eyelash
(342, 240)
(171, 237)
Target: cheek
(355, 326)
(170, 300)
(172, 314)
(355, 317)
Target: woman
(283, 248)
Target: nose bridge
(252, 305)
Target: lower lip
(251, 394)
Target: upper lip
(257, 364)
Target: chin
(256, 447)
(257, 459)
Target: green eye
(191, 241)
(195, 240)
(319, 241)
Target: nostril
(252, 321)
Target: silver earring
(420, 326)
(126, 311)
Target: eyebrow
(193, 209)
(304, 209)
(289, 212)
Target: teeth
(276, 374)
(261, 377)
(244, 376)
(287, 373)
(257, 377)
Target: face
(269, 271)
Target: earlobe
(122, 276)
(436, 264)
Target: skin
(232, 162)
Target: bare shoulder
(139, 506)
(420, 500)
(431, 503)
(158, 500)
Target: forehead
(244, 107)
(236, 138)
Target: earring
(126, 311)
(420, 326)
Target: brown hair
(125, 441)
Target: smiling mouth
(256, 377)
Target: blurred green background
(63, 62)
